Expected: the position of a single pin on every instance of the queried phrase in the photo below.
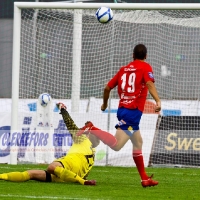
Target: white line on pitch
(44, 197)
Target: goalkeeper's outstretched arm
(73, 128)
(69, 122)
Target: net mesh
(46, 51)
(172, 39)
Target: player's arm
(153, 91)
(69, 122)
(73, 128)
(106, 95)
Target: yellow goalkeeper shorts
(78, 163)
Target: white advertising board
(89, 110)
(37, 143)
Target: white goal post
(163, 27)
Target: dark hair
(140, 52)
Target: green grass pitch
(113, 183)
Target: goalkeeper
(74, 167)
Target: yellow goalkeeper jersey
(80, 156)
(83, 147)
(79, 159)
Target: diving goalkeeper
(74, 167)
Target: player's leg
(57, 169)
(38, 175)
(43, 176)
(15, 176)
(94, 140)
(104, 136)
(55, 179)
(114, 142)
(137, 142)
(121, 138)
(66, 175)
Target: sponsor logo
(127, 101)
(27, 120)
(4, 150)
(121, 122)
(26, 140)
(127, 97)
(56, 109)
(129, 69)
(177, 141)
(40, 124)
(150, 75)
(32, 107)
(130, 128)
(174, 142)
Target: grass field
(113, 183)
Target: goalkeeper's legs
(15, 176)
(66, 175)
(38, 175)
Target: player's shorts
(78, 163)
(129, 120)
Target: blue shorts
(129, 120)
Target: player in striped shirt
(133, 82)
(74, 167)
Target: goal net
(63, 50)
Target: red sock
(138, 158)
(104, 136)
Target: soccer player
(133, 82)
(74, 167)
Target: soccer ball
(44, 99)
(104, 14)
